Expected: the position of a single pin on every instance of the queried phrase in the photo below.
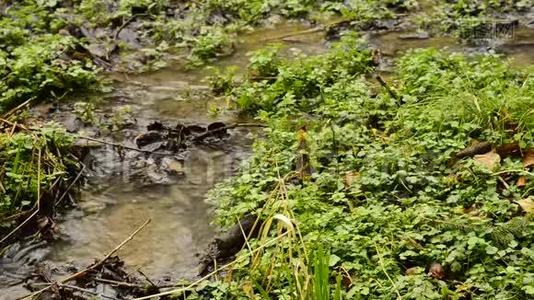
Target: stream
(121, 191)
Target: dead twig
(146, 277)
(73, 287)
(70, 185)
(15, 124)
(121, 145)
(134, 285)
(19, 227)
(87, 138)
(133, 17)
(223, 129)
(91, 267)
(388, 89)
(306, 31)
(13, 110)
(119, 283)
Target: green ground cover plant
(36, 167)
(36, 61)
(373, 178)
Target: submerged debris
(224, 248)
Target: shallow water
(179, 227)
(518, 46)
(123, 192)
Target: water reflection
(180, 218)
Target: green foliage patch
(35, 165)
(373, 178)
(36, 61)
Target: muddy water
(180, 219)
(520, 47)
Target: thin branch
(223, 129)
(388, 89)
(15, 124)
(120, 145)
(133, 17)
(306, 31)
(13, 110)
(133, 285)
(73, 287)
(119, 283)
(70, 185)
(20, 226)
(146, 277)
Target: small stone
(436, 271)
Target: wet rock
(154, 146)
(274, 19)
(98, 50)
(193, 130)
(172, 166)
(147, 138)
(18, 260)
(381, 25)
(106, 291)
(155, 126)
(72, 123)
(227, 245)
(129, 36)
(219, 129)
(216, 126)
(423, 35)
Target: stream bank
(154, 100)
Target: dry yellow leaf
(526, 204)
(350, 178)
(490, 160)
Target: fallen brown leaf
(528, 158)
(508, 149)
(522, 181)
(474, 149)
(350, 178)
(490, 160)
